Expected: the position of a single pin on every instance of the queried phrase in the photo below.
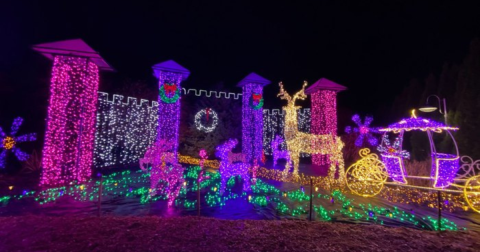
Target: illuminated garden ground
(127, 194)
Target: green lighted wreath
(166, 99)
(258, 106)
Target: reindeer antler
(283, 94)
(300, 94)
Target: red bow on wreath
(257, 97)
(170, 89)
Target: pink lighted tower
(324, 113)
(69, 138)
(170, 75)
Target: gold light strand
(299, 142)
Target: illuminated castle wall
(124, 129)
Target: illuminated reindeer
(278, 153)
(166, 173)
(308, 143)
(228, 168)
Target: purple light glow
(9, 142)
(166, 175)
(364, 130)
(278, 153)
(170, 74)
(417, 123)
(396, 149)
(252, 116)
(228, 169)
(444, 169)
(395, 168)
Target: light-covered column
(252, 116)
(70, 133)
(323, 113)
(170, 75)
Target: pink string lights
(166, 175)
(323, 112)
(69, 139)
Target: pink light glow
(69, 138)
(324, 118)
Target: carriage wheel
(471, 192)
(367, 176)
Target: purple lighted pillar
(169, 74)
(252, 116)
(323, 114)
(70, 133)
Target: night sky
(372, 47)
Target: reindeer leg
(223, 184)
(296, 159)
(246, 182)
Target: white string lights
(124, 130)
(210, 117)
(126, 126)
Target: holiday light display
(211, 93)
(314, 144)
(328, 206)
(274, 123)
(166, 174)
(324, 111)
(364, 130)
(169, 74)
(70, 131)
(367, 176)
(387, 148)
(124, 129)
(8, 142)
(470, 192)
(417, 123)
(195, 161)
(252, 116)
(209, 114)
(169, 92)
(126, 126)
(69, 139)
(444, 166)
(279, 154)
(256, 101)
(228, 169)
(395, 168)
